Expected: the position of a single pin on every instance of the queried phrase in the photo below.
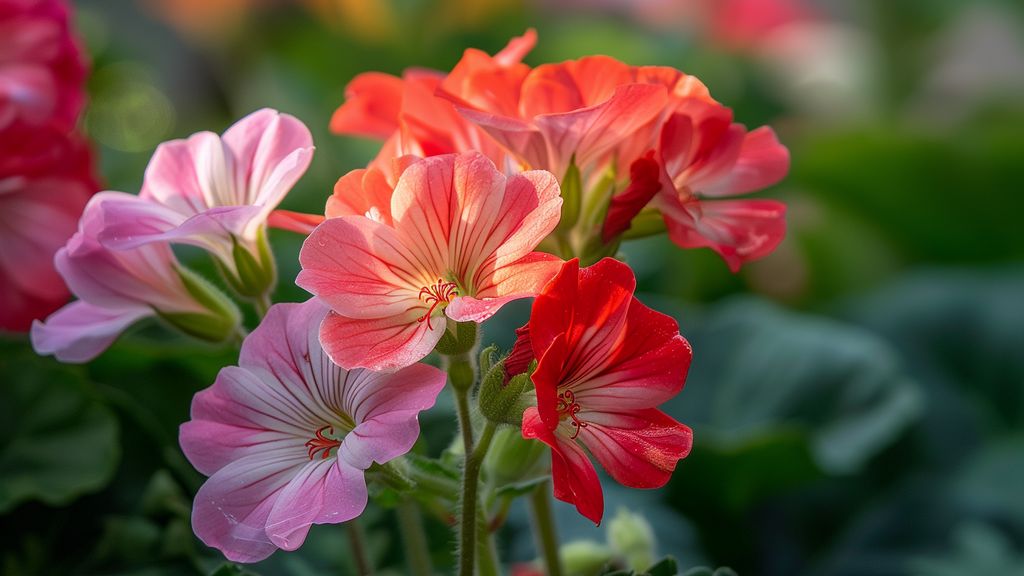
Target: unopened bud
(631, 537)
(584, 557)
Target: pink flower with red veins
(42, 72)
(456, 241)
(286, 436)
(117, 288)
(605, 362)
(215, 192)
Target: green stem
(357, 541)
(469, 500)
(417, 553)
(487, 554)
(544, 528)
(262, 305)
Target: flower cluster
(496, 182)
(46, 168)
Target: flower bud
(254, 275)
(513, 459)
(584, 557)
(631, 537)
(502, 402)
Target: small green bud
(631, 537)
(254, 274)
(584, 557)
(513, 459)
(504, 402)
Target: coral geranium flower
(605, 362)
(456, 240)
(286, 436)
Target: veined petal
(270, 151)
(178, 175)
(322, 492)
(639, 449)
(575, 480)
(385, 343)
(762, 161)
(739, 230)
(230, 510)
(362, 269)
(363, 192)
(80, 331)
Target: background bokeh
(857, 398)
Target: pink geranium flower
(46, 178)
(215, 192)
(456, 241)
(286, 436)
(42, 72)
(117, 288)
(605, 362)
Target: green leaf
(977, 549)
(231, 570)
(58, 441)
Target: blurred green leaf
(977, 549)
(58, 440)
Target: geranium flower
(42, 69)
(215, 192)
(117, 288)
(701, 157)
(46, 178)
(407, 113)
(605, 362)
(286, 435)
(459, 244)
(609, 120)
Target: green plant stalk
(544, 528)
(470, 499)
(357, 541)
(487, 553)
(417, 553)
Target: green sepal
(458, 339)
(571, 186)
(255, 275)
(218, 323)
(501, 402)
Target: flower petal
(739, 230)
(575, 479)
(379, 343)
(322, 492)
(639, 449)
(80, 331)
(373, 101)
(762, 161)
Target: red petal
(644, 175)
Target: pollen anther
(322, 443)
(434, 295)
(567, 405)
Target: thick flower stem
(357, 541)
(544, 528)
(487, 555)
(469, 501)
(417, 553)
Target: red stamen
(322, 443)
(567, 405)
(434, 295)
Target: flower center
(434, 295)
(568, 406)
(322, 444)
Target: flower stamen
(435, 295)
(567, 405)
(322, 443)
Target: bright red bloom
(46, 178)
(605, 362)
(42, 70)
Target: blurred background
(857, 397)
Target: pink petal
(739, 230)
(174, 177)
(363, 192)
(522, 279)
(379, 343)
(80, 331)
(231, 509)
(270, 153)
(575, 480)
(361, 268)
(762, 161)
(639, 449)
(323, 492)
